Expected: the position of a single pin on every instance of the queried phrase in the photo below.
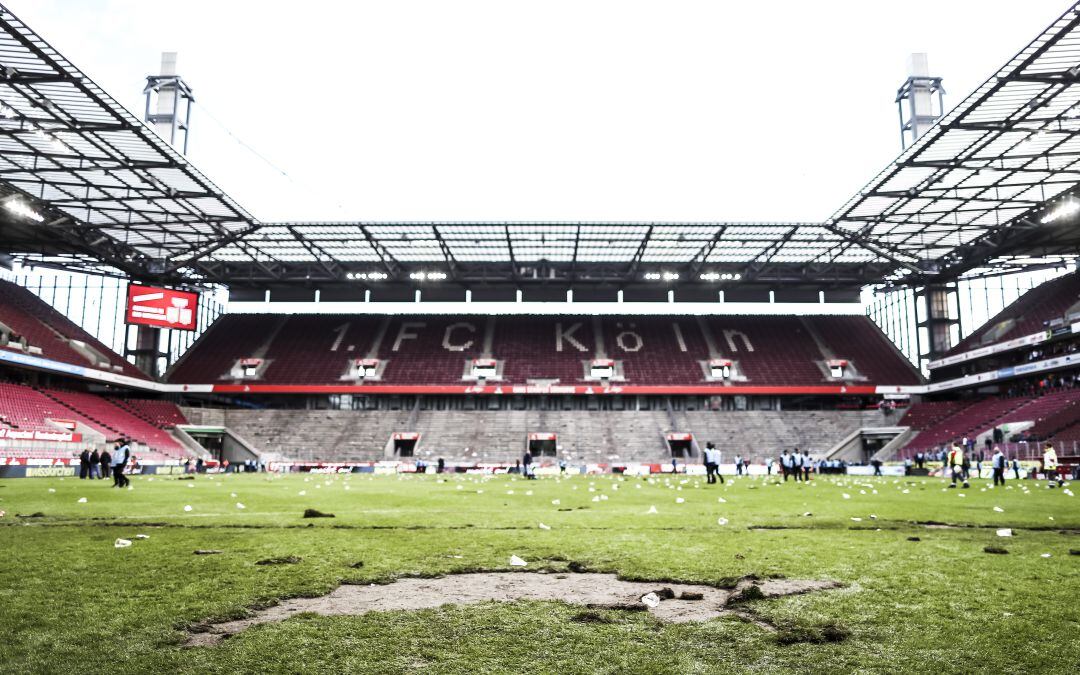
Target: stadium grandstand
(603, 343)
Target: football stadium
(230, 444)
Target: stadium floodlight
(20, 208)
(1063, 210)
(652, 276)
(671, 276)
(367, 276)
(427, 276)
(717, 276)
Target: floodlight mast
(937, 321)
(172, 116)
(171, 120)
(915, 101)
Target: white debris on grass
(1045, 555)
(122, 543)
(679, 500)
(652, 509)
(52, 489)
(650, 600)
(82, 500)
(240, 506)
(188, 507)
(142, 536)
(1004, 532)
(999, 509)
(517, 562)
(544, 527)
(722, 521)
(555, 502)
(846, 496)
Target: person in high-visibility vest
(956, 463)
(1050, 466)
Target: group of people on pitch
(959, 463)
(104, 464)
(795, 464)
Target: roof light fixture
(1062, 210)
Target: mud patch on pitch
(670, 603)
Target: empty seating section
(1029, 313)
(544, 348)
(859, 340)
(653, 352)
(161, 414)
(431, 349)
(28, 410)
(434, 349)
(231, 337)
(116, 421)
(922, 416)
(945, 421)
(44, 327)
(500, 436)
(775, 350)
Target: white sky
(556, 110)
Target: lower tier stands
(97, 419)
(1035, 418)
(592, 436)
(647, 350)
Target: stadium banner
(162, 307)
(54, 436)
(23, 471)
(1025, 341)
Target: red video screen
(148, 306)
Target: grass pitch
(72, 602)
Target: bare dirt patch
(594, 591)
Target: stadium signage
(54, 436)
(161, 307)
(1025, 341)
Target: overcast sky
(555, 110)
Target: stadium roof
(990, 185)
(88, 178)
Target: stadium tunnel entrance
(680, 444)
(404, 443)
(543, 444)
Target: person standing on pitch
(784, 461)
(806, 466)
(1016, 468)
(84, 464)
(106, 463)
(997, 463)
(120, 459)
(956, 463)
(796, 464)
(526, 464)
(710, 463)
(1050, 466)
(95, 464)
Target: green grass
(71, 602)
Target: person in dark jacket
(95, 464)
(106, 464)
(84, 464)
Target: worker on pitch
(1050, 466)
(956, 463)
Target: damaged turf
(679, 603)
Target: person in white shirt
(797, 464)
(997, 463)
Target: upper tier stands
(1029, 314)
(33, 319)
(652, 350)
